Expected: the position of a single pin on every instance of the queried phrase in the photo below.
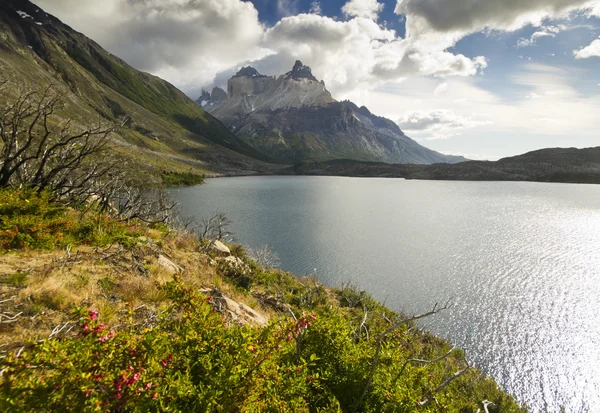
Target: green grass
(32, 221)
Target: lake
(520, 262)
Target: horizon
(484, 82)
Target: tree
(39, 151)
(38, 154)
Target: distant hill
(547, 165)
(294, 118)
(165, 129)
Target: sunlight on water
(520, 261)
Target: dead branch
(445, 383)
(58, 329)
(8, 299)
(10, 318)
(380, 339)
(485, 404)
(420, 361)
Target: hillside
(103, 315)
(294, 118)
(163, 129)
(568, 165)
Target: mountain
(294, 118)
(165, 130)
(569, 165)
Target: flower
(93, 314)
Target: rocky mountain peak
(248, 72)
(301, 71)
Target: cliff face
(293, 117)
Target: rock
(239, 312)
(219, 246)
(168, 265)
(234, 260)
(248, 72)
(301, 71)
(242, 313)
(218, 95)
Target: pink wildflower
(93, 314)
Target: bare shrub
(264, 256)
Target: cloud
(441, 89)
(358, 53)
(514, 120)
(194, 44)
(287, 7)
(436, 124)
(369, 9)
(315, 8)
(593, 50)
(184, 41)
(546, 31)
(468, 16)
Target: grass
(31, 221)
(165, 341)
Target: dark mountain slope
(36, 50)
(547, 165)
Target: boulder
(219, 246)
(168, 265)
(241, 313)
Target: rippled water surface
(521, 262)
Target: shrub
(32, 221)
(173, 179)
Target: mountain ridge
(566, 165)
(293, 118)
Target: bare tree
(38, 151)
(215, 227)
(37, 154)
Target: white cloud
(441, 89)
(315, 8)
(368, 9)
(358, 53)
(545, 31)
(287, 7)
(593, 50)
(436, 124)
(512, 124)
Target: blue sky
(484, 79)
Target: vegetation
(171, 179)
(90, 328)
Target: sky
(480, 78)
